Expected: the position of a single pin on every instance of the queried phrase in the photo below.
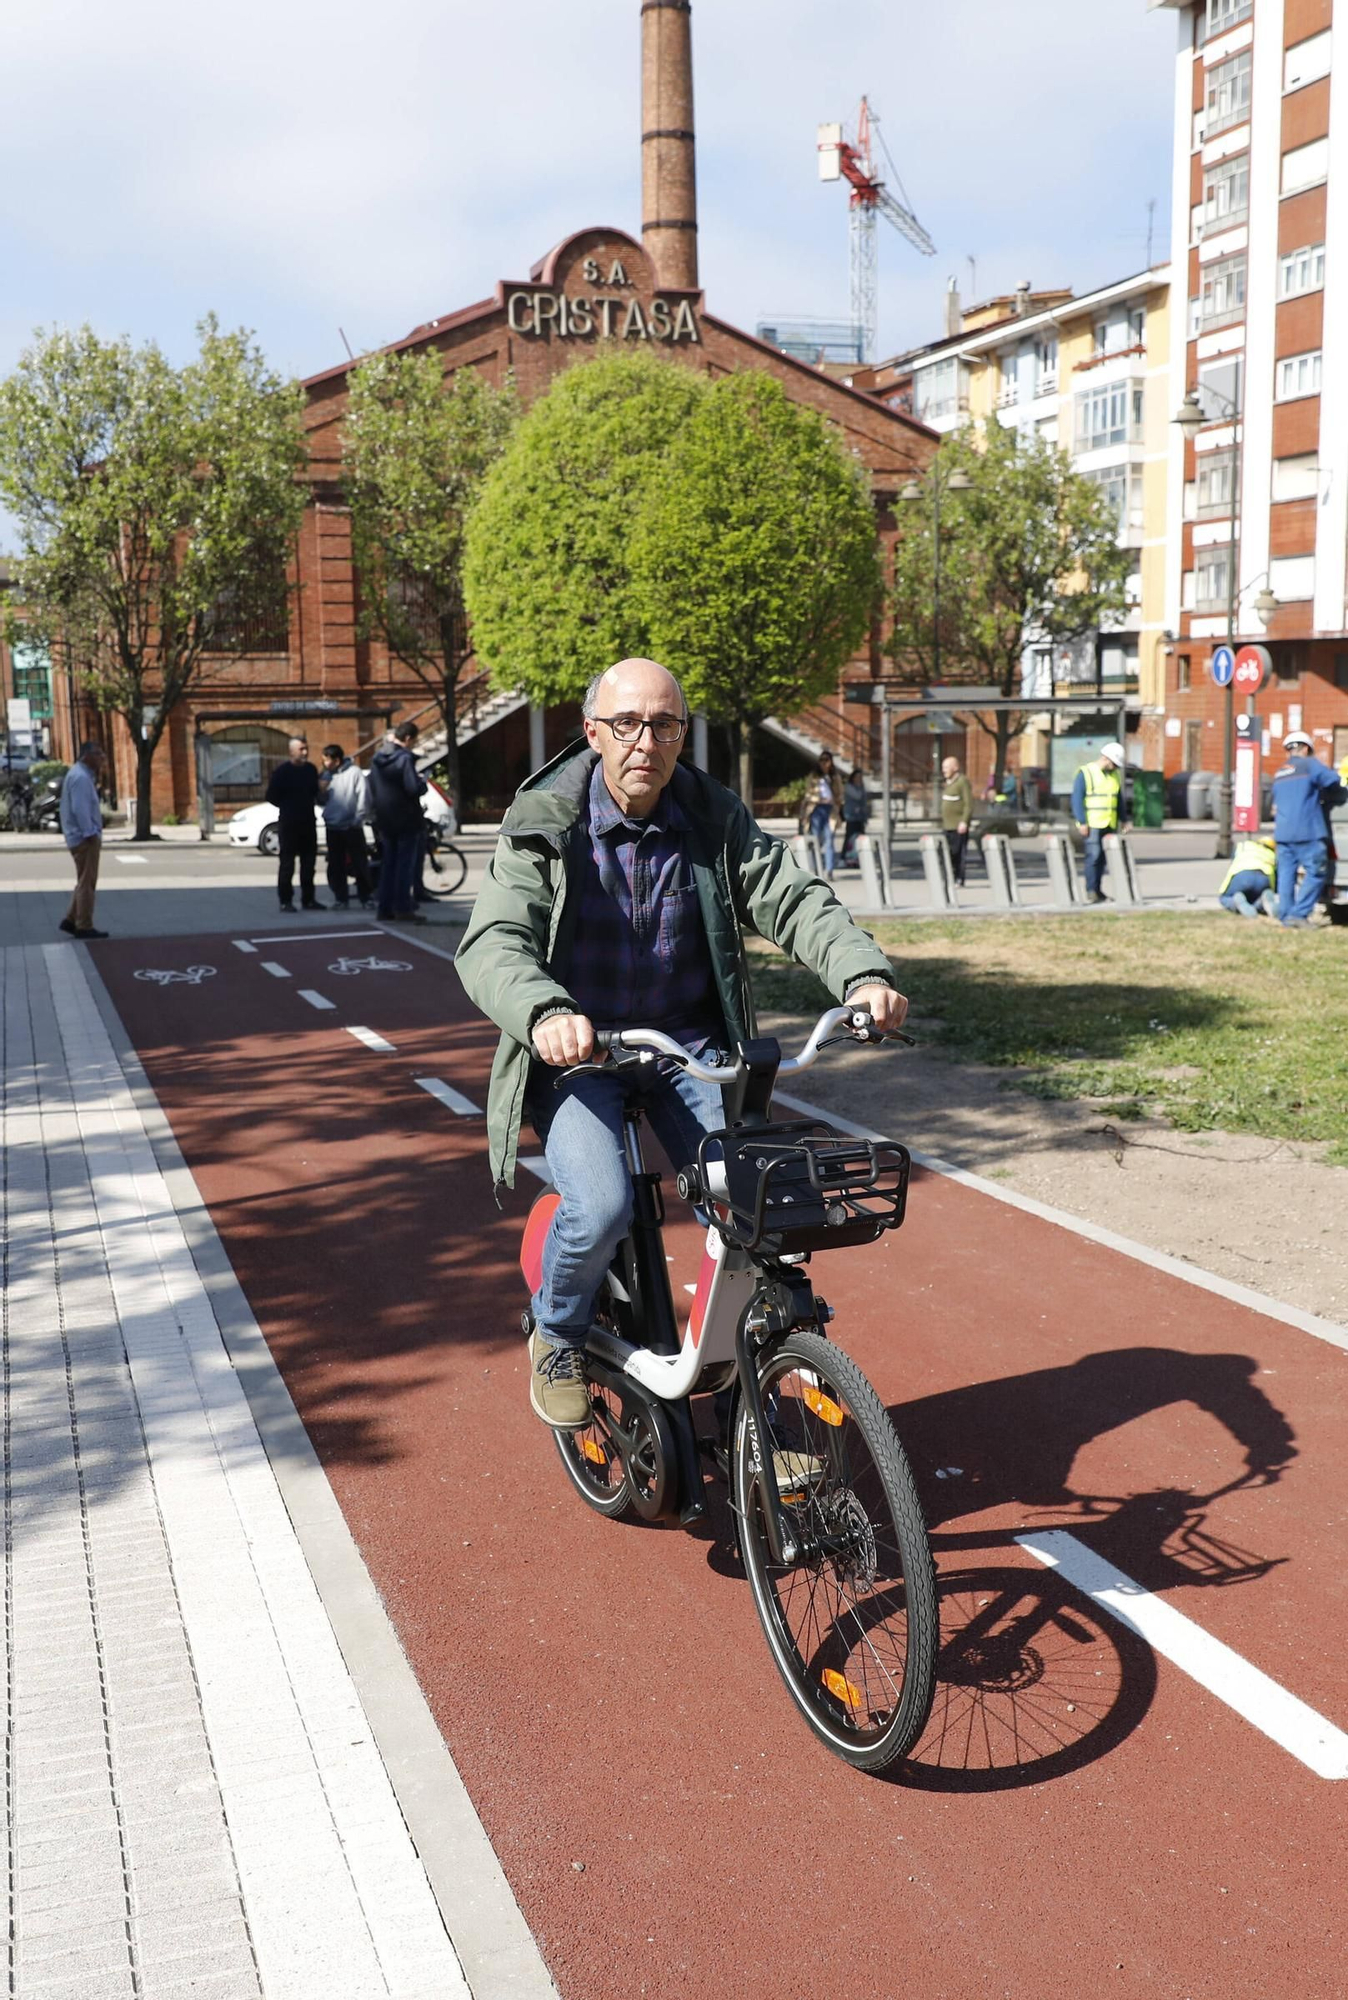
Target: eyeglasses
(666, 729)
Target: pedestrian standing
(957, 811)
(856, 811)
(345, 792)
(1097, 794)
(1304, 790)
(1248, 886)
(82, 825)
(819, 808)
(396, 791)
(293, 790)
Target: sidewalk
(195, 1800)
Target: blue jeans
(581, 1128)
(1248, 893)
(821, 826)
(1095, 858)
(1312, 857)
(397, 865)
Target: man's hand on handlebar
(564, 1039)
(887, 1008)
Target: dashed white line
(131, 860)
(316, 999)
(447, 1094)
(276, 971)
(242, 944)
(372, 1041)
(1282, 1717)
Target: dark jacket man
(396, 789)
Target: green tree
(415, 452)
(157, 510)
(547, 571)
(755, 557)
(1029, 551)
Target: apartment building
(1260, 230)
(1091, 374)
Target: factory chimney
(668, 153)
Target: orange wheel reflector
(842, 1689)
(594, 1452)
(823, 1406)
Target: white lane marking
(447, 1094)
(316, 999)
(276, 971)
(242, 944)
(372, 1040)
(314, 937)
(535, 1163)
(1282, 1717)
(1141, 1253)
(131, 860)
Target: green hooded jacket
(515, 951)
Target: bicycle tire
(855, 1632)
(453, 865)
(591, 1464)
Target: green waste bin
(1148, 798)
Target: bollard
(1062, 869)
(1122, 873)
(1000, 863)
(806, 850)
(872, 888)
(936, 868)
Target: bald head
(624, 708)
(618, 681)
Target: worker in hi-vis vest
(1248, 887)
(1097, 795)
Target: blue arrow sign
(1222, 666)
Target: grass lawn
(1211, 1021)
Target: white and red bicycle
(829, 1524)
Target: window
(1228, 98)
(1122, 488)
(1305, 166)
(1111, 414)
(1046, 364)
(1223, 293)
(1101, 336)
(1296, 478)
(1214, 485)
(1118, 658)
(1137, 326)
(1183, 673)
(1224, 14)
(32, 677)
(1289, 660)
(1220, 384)
(1297, 375)
(1226, 193)
(1292, 578)
(1341, 670)
(252, 620)
(1212, 570)
(1301, 271)
(1307, 62)
(938, 390)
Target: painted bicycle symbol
(190, 975)
(343, 966)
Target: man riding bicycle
(619, 894)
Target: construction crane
(843, 159)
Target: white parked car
(256, 826)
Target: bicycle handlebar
(651, 1042)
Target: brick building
(600, 285)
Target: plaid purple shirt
(640, 955)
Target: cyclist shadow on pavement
(1033, 1681)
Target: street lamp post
(956, 481)
(1190, 419)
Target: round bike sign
(1253, 665)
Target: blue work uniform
(1304, 790)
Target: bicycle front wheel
(851, 1623)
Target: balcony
(1047, 384)
(1008, 395)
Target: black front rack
(797, 1187)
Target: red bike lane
(1079, 1811)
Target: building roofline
(864, 396)
(980, 338)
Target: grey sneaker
(557, 1389)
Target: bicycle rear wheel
(852, 1624)
(453, 867)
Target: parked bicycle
(829, 1524)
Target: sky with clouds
(302, 167)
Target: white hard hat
(1114, 752)
(1296, 736)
